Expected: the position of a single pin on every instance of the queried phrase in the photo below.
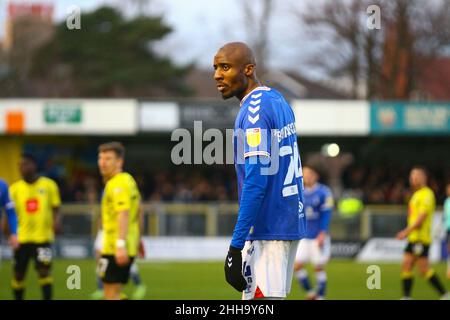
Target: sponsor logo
(32, 206)
(253, 137)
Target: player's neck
(113, 174)
(311, 187)
(420, 187)
(252, 85)
(31, 179)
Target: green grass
(197, 280)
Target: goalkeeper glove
(233, 269)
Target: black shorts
(417, 249)
(41, 253)
(110, 272)
(448, 237)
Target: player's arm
(141, 218)
(124, 217)
(425, 207)
(141, 248)
(252, 194)
(56, 219)
(8, 204)
(416, 225)
(56, 204)
(256, 138)
(121, 203)
(121, 245)
(99, 222)
(325, 216)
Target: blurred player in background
(37, 203)
(447, 226)
(141, 289)
(8, 205)
(316, 247)
(418, 232)
(120, 220)
(270, 218)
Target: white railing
(218, 219)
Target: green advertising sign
(409, 118)
(63, 113)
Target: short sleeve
(55, 198)
(12, 193)
(328, 201)
(426, 204)
(121, 195)
(256, 130)
(3, 194)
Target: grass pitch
(347, 280)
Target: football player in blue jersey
(315, 247)
(8, 205)
(270, 221)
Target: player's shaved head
(239, 52)
(234, 65)
(28, 167)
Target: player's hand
(141, 249)
(320, 239)
(13, 242)
(402, 234)
(233, 269)
(57, 226)
(122, 257)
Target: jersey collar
(312, 189)
(256, 89)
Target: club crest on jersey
(253, 136)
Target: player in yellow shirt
(418, 232)
(37, 204)
(120, 220)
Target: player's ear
(249, 70)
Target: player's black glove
(233, 269)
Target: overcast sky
(202, 26)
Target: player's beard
(226, 94)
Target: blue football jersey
(5, 201)
(8, 205)
(265, 127)
(318, 208)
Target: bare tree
(257, 23)
(385, 62)
(349, 48)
